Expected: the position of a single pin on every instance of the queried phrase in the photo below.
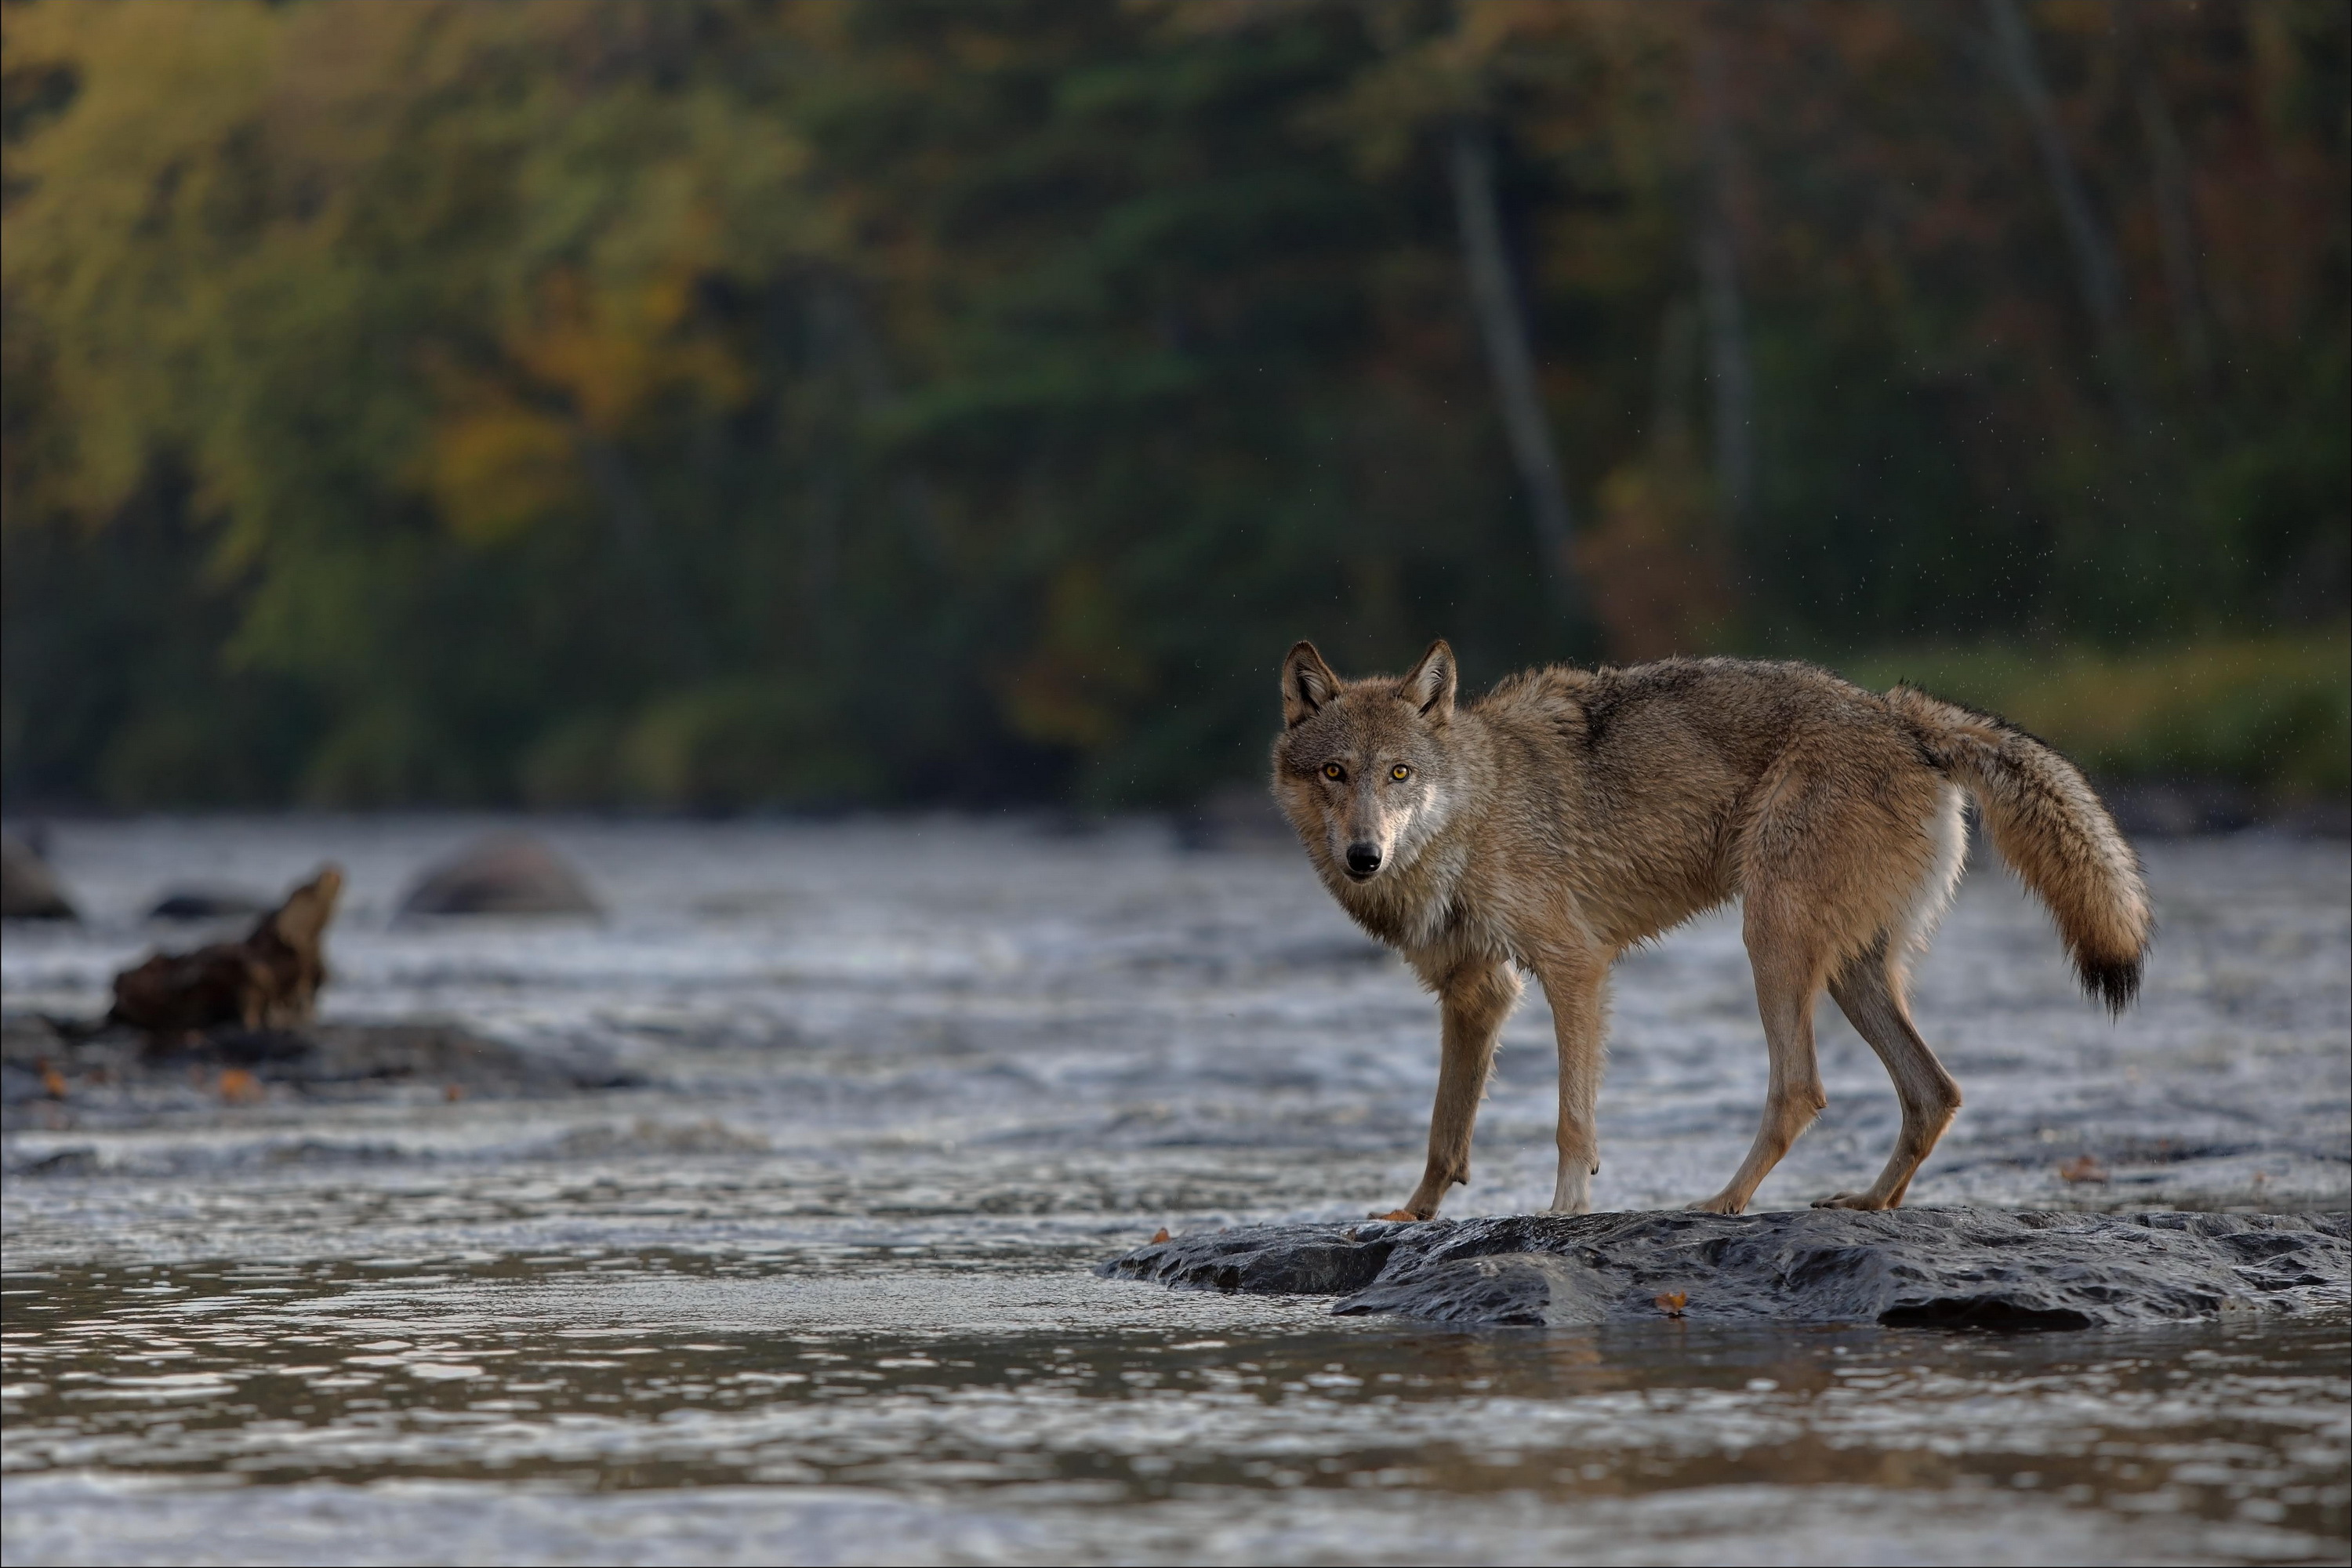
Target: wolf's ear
(1308, 683)
(1429, 686)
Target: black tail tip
(2114, 985)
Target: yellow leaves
(585, 346)
(157, 82)
(1671, 1302)
(612, 349)
(232, 190)
(591, 362)
(498, 470)
(95, 195)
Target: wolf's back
(2053, 829)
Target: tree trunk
(1502, 324)
(2096, 275)
(2168, 177)
(1727, 324)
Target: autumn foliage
(722, 405)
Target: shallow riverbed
(818, 1289)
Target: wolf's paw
(1848, 1201)
(1398, 1215)
(1722, 1202)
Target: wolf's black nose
(1364, 860)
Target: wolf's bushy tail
(2051, 826)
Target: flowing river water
(816, 1287)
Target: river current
(816, 1288)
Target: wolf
(1570, 813)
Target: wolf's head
(1364, 769)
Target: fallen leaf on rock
(453, 1092)
(2082, 1168)
(53, 1082)
(1672, 1304)
(238, 1087)
(1159, 1236)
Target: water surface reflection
(1093, 1426)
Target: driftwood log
(270, 980)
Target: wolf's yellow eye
(1334, 771)
(1400, 772)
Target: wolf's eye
(1400, 772)
(1334, 771)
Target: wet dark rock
(506, 874)
(108, 1076)
(1928, 1267)
(64, 1162)
(1264, 1260)
(207, 904)
(29, 889)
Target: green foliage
(2268, 711)
(717, 405)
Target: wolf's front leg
(1573, 984)
(1473, 998)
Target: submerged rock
(116, 1077)
(506, 874)
(29, 889)
(1933, 1268)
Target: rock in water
(29, 889)
(1933, 1268)
(506, 874)
(116, 1077)
(207, 904)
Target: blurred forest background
(736, 405)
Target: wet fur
(1571, 814)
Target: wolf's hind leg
(1473, 998)
(1869, 991)
(1784, 951)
